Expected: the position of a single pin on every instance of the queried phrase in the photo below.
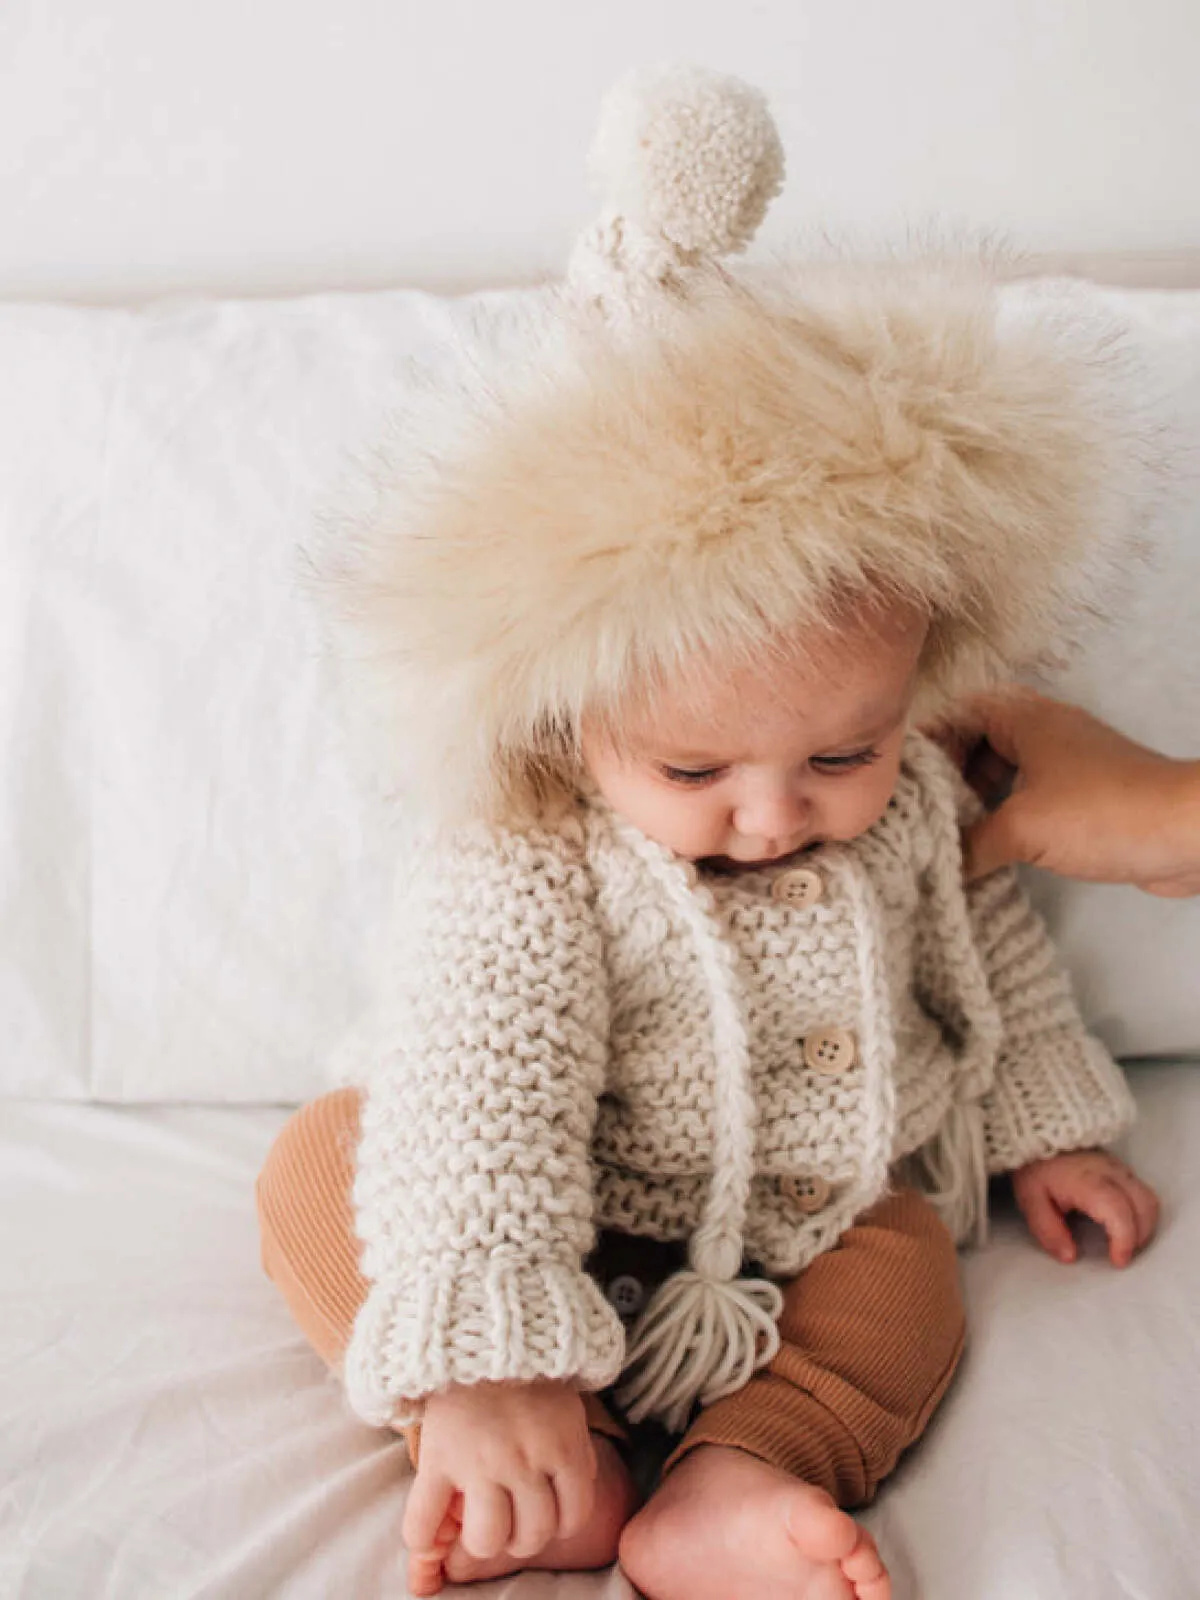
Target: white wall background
(265, 145)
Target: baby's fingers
(428, 1502)
(576, 1494)
(535, 1518)
(1047, 1225)
(426, 1574)
(1109, 1205)
(1145, 1209)
(487, 1524)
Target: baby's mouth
(733, 864)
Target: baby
(693, 1055)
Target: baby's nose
(776, 815)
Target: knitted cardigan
(577, 1029)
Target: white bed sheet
(165, 1433)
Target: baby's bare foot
(596, 1546)
(726, 1526)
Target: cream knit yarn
(687, 162)
(578, 1030)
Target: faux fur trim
(550, 534)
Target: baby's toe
(828, 1583)
(874, 1589)
(817, 1528)
(864, 1567)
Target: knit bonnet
(661, 459)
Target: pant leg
(872, 1332)
(306, 1221)
(309, 1247)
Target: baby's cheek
(861, 806)
(699, 831)
(683, 822)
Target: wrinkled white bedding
(164, 1431)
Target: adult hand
(1085, 801)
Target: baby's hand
(513, 1464)
(1096, 1183)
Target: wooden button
(800, 888)
(810, 1193)
(830, 1050)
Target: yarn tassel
(706, 1330)
(955, 1164)
(698, 1339)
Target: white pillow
(190, 882)
(192, 890)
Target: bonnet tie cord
(705, 1331)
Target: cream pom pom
(690, 155)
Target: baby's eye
(692, 777)
(835, 764)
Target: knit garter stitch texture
(533, 1076)
(685, 464)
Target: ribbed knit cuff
(1068, 1094)
(481, 1321)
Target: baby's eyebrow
(690, 758)
(867, 733)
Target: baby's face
(752, 765)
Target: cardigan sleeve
(473, 1190)
(1055, 1087)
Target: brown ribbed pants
(871, 1331)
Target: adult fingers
(993, 841)
(487, 1524)
(955, 739)
(992, 778)
(1173, 888)
(535, 1517)
(996, 717)
(1047, 1224)
(428, 1502)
